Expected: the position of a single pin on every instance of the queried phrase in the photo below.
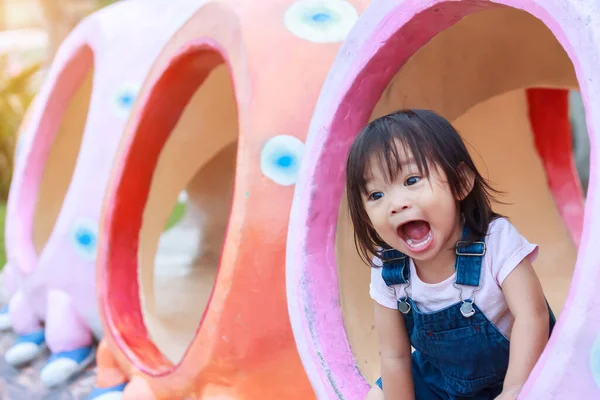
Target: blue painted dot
(595, 361)
(281, 158)
(85, 239)
(285, 161)
(321, 17)
(126, 100)
(321, 21)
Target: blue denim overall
(459, 353)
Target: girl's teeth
(411, 243)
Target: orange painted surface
(138, 389)
(244, 348)
(109, 374)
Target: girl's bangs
(391, 151)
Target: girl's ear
(467, 180)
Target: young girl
(451, 278)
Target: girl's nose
(399, 204)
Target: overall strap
(469, 256)
(396, 269)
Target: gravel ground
(24, 384)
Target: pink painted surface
(120, 50)
(372, 53)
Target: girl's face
(415, 214)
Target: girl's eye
(412, 180)
(375, 196)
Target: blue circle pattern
(280, 159)
(319, 15)
(321, 21)
(126, 99)
(286, 161)
(595, 361)
(86, 240)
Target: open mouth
(416, 234)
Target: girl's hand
(509, 393)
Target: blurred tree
(104, 3)
(2, 15)
(63, 15)
(15, 96)
(16, 89)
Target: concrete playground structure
(64, 157)
(244, 111)
(500, 71)
(222, 115)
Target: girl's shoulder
(501, 228)
(506, 247)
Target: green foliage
(176, 215)
(16, 94)
(2, 248)
(104, 3)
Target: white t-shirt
(506, 248)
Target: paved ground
(25, 384)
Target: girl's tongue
(416, 231)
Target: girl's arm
(396, 372)
(530, 331)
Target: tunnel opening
(497, 123)
(182, 154)
(175, 295)
(503, 79)
(54, 153)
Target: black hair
(433, 141)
